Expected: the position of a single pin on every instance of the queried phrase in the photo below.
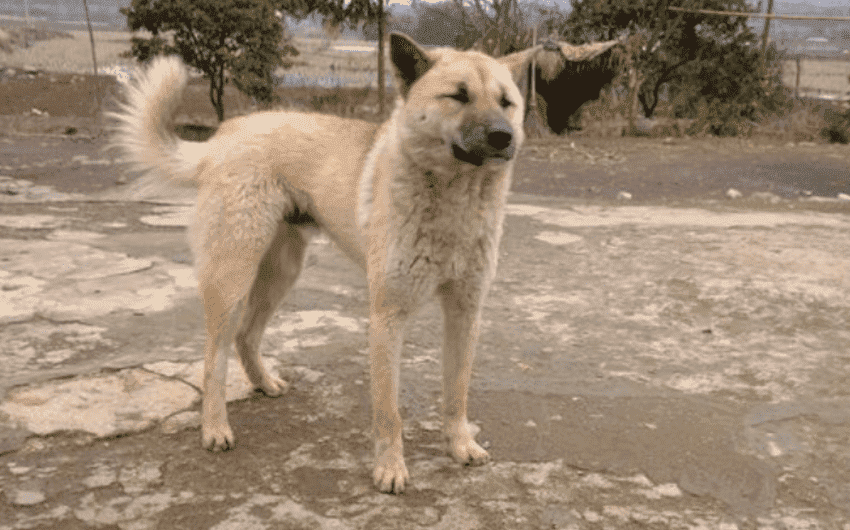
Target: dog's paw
(273, 386)
(467, 451)
(391, 473)
(219, 438)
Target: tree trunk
(93, 55)
(217, 93)
(636, 79)
(633, 101)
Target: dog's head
(458, 109)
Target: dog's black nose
(499, 139)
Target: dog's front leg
(462, 320)
(386, 329)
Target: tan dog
(417, 202)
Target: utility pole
(766, 35)
(381, 76)
(93, 57)
(29, 23)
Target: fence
(818, 77)
(807, 71)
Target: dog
(418, 202)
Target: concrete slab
(23, 191)
(64, 280)
(105, 405)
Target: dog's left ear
(554, 55)
(409, 59)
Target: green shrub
(837, 128)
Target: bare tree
(499, 25)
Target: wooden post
(632, 50)
(633, 97)
(765, 36)
(534, 71)
(93, 57)
(381, 76)
(797, 80)
(29, 23)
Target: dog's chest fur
(425, 224)
(448, 228)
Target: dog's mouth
(477, 158)
(466, 156)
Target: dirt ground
(647, 169)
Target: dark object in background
(565, 81)
(837, 130)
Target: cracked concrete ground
(642, 365)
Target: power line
(757, 15)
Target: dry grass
(54, 102)
(320, 59)
(22, 36)
(807, 121)
(329, 60)
(73, 54)
(803, 123)
(361, 103)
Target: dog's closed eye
(462, 95)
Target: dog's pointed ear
(554, 55)
(517, 63)
(409, 59)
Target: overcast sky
(829, 3)
(820, 3)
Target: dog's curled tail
(143, 125)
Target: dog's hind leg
(278, 270)
(462, 321)
(223, 284)
(231, 236)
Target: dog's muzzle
(479, 142)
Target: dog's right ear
(518, 62)
(409, 59)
